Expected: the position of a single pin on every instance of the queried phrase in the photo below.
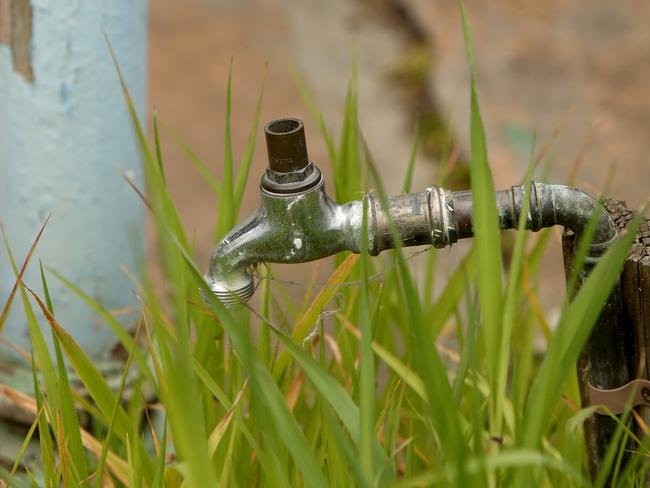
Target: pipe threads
(230, 298)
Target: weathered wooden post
(66, 142)
(614, 366)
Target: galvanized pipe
(550, 205)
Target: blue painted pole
(66, 142)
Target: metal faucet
(297, 222)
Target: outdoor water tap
(297, 222)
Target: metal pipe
(308, 225)
(297, 222)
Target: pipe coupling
(418, 218)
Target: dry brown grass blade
(118, 466)
(640, 422)
(325, 295)
(217, 434)
(294, 391)
(334, 347)
(379, 349)
(22, 352)
(152, 431)
(137, 190)
(12, 295)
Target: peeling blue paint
(65, 142)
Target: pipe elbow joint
(577, 211)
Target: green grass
(286, 395)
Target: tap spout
(285, 229)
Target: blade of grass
(209, 382)
(193, 158)
(308, 320)
(66, 409)
(487, 237)
(343, 443)
(159, 470)
(402, 370)
(408, 179)
(316, 114)
(245, 163)
(87, 371)
(217, 434)
(117, 465)
(21, 273)
(44, 437)
(451, 295)
(156, 136)
(367, 364)
(442, 409)
(225, 215)
(40, 351)
(512, 297)
(25, 444)
(334, 394)
(99, 472)
(140, 135)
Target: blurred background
(566, 78)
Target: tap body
(284, 229)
